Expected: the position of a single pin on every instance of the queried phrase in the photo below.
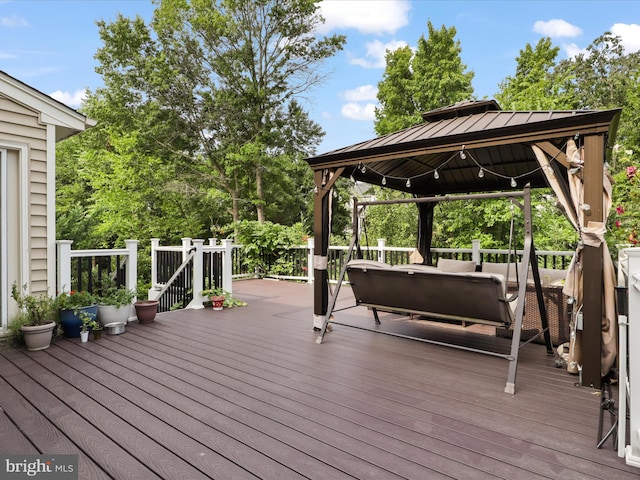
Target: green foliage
(229, 300)
(88, 322)
(73, 300)
(225, 74)
(261, 242)
(534, 85)
(35, 309)
(398, 224)
(431, 78)
(624, 220)
(117, 296)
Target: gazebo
(474, 146)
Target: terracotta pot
(217, 301)
(146, 310)
(37, 337)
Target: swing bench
(468, 297)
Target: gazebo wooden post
(323, 183)
(594, 156)
(425, 230)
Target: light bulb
(315, 189)
(352, 179)
(408, 182)
(481, 173)
(384, 180)
(463, 155)
(363, 169)
(436, 175)
(513, 183)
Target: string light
(463, 154)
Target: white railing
(65, 254)
(197, 247)
(629, 359)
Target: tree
(230, 70)
(534, 85)
(432, 77)
(601, 76)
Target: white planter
(112, 314)
(84, 336)
(38, 337)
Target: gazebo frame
(418, 160)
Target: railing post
(64, 266)
(186, 246)
(131, 282)
(382, 242)
(227, 265)
(632, 452)
(475, 252)
(155, 243)
(197, 273)
(310, 247)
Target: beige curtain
(591, 234)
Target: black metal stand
(607, 404)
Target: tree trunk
(259, 194)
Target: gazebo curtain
(569, 190)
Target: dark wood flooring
(247, 393)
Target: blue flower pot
(71, 322)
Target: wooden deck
(247, 393)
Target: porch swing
(436, 295)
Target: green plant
(88, 322)
(36, 309)
(118, 296)
(229, 301)
(73, 300)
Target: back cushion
(456, 266)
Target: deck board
(247, 393)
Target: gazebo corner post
(321, 227)
(592, 309)
(322, 191)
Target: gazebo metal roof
(429, 156)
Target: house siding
(21, 125)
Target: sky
(50, 45)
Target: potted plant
(146, 310)
(89, 324)
(35, 323)
(70, 306)
(114, 305)
(221, 299)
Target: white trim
(51, 209)
(25, 208)
(4, 252)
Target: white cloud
(6, 55)
(556, 28)
(369, 17)
(357, 111)
(630, 35)
(572, 50)
(376, 52)
(13, 22)
(73, 100)
(361, 94)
